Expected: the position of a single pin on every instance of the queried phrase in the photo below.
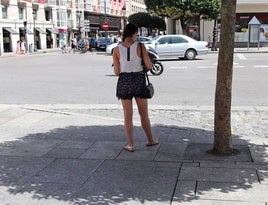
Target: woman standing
(127, 64)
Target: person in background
(131, 81)
(73, 45)
(18, 50)
(195, 35)
(63, 47)
(86, 44)
(23, 47)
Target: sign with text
(86, 25)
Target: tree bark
(214, 38)
(223, 94)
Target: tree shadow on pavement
(87, 165)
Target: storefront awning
(11, 30)
(28, 30)
(40, 30)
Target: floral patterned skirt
(130, 85)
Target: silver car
(110, 48)
(177, 46)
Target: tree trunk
(214, 38)
(223, 95)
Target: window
(21, 10)
(62, 18)
(47, 15)
(177, 39)
(163, 40)
(4, 12)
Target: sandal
(129, 148)
(152, 143)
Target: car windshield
(143, 39)
(153, 40)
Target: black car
(102, 43)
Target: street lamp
(79, 15)
(34, 18)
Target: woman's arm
(116, 63)
(146, 58)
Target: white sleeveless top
(129, 61)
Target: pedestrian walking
(63, 47)
(73, 45)
(18, 50)
(131, 81)
(86, 44)
(23, 47)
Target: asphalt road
(54, 78)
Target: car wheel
(190, 54)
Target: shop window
(242, 30)
(4, 12)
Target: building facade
(245, 11)
(45, 24)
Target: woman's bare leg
(128, 122)
(145, 121)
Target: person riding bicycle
(81, 45)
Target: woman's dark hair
(129, 30)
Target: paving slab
(60, 191)
(263, 176)
(215, 202)
(68, 153)
(28, 147)
(75, 144)
(30, 198)
(259, 153)
(128, 182)
(220, 174)
(171, 152)
(201, 152)
(103, 150)
(239, 192)
(158, 187)
(70, 171)
(15, 171)
(7, 114)
(185, 191)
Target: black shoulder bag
(148, 88)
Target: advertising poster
(264, 33)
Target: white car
(177, 46)
(110, 48)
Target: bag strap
(143, 65)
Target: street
(53, 78)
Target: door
(163, 47)
(179, 46)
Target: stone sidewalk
(73, 155)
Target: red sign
(105, 26)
